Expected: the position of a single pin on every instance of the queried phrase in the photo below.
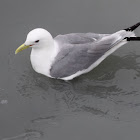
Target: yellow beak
(21, 48)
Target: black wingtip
(132, 38)
(132, 28)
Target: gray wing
(78, 38)
(74, 57)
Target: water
(103, 104)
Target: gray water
(101, 105)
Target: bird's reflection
(95, 92)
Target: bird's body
(81, 56)
(68, 56)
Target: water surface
(103, 104)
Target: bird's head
(36, 38)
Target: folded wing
(79, 51)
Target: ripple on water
(127, 80)
(34, 135)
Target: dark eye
(36, 41)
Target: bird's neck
(42, 58)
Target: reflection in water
(104, 91)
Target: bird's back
(78, 38)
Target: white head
(36, 38)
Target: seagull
(68, 56)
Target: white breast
(42, 59)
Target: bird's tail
(131, 29)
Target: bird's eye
(36, 41)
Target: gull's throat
(42, 58)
